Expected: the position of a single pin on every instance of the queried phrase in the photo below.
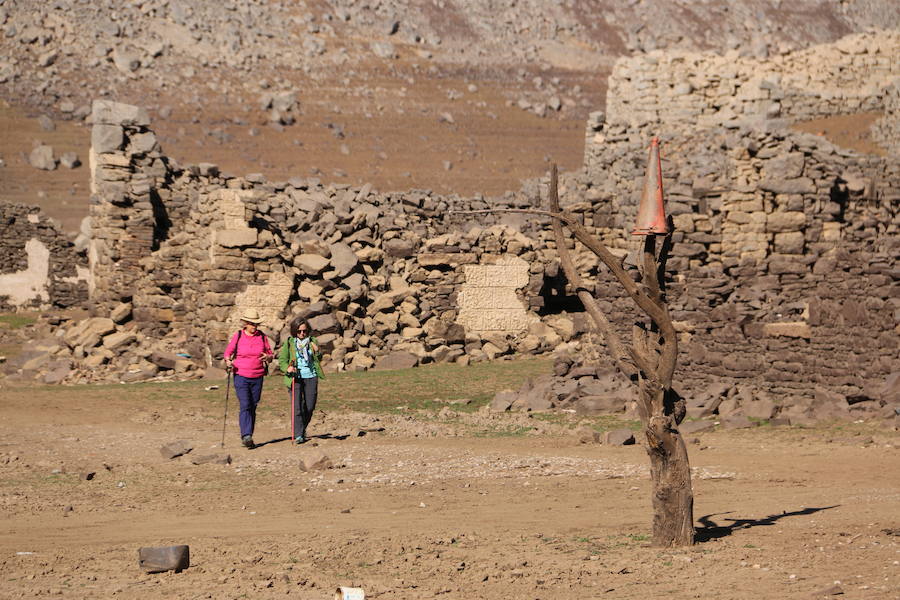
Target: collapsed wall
(784, 273)
(178, 252)
(782, 278)
(39, 267)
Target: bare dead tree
(649, 361)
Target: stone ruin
(783, 276)
(782, 280)
(38, 265)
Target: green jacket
(287, 356)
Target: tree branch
(619, 352)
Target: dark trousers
(248, 390)
(305, 390)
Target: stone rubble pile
(584, 388)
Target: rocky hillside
(459, 97)
(62, 53)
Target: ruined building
(783, 272)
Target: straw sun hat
(251, 315)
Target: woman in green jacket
(299, 360)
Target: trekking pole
(227, 390)
(291, 412)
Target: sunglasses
(302, 331)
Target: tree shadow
(710, 530)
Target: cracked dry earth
(444, 504)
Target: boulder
(396, 360)
(761, 408)
(168, 558)
(737, 422)
(116, 340)
(535, 395)
(121, 312)
(58, 372)
(163, 360)
(503, 401)
(398, 248)
(42, 158)
(175, 449)
(326, 323)
(343, 259)
(586, 435)
(311, 264)
(89, 332)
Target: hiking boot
(247, 440)
(299, 440)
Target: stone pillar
(125, 165)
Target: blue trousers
(248, 390)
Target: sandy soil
(428, 507)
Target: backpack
(265, 346)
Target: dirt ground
(440, 504)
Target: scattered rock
(167, 558)
(396, 360)
(42, 158)
(175, 449)
(214, 459)
(315, 461)
(69, 160)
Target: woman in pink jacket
(248, 355)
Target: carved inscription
(487, 300)
(269, 299)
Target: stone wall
(706, 90)
(39, 267)
(782, 277)
(886, 130)
(784, 270)
(185, 249)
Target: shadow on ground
(710, 530)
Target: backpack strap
(238, 341)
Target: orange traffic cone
(651, 217)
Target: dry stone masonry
(782, 281)
(39, 267)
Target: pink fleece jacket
(248, 362)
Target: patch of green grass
(749, 546)
(429, 387)
(638, 537)
(17, 320)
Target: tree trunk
(670, 476)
